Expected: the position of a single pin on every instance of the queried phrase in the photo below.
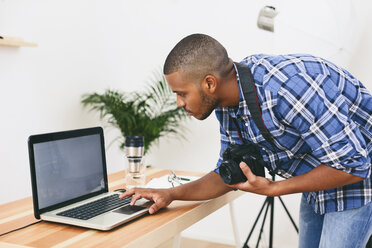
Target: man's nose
(180, 102)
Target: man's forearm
(207, 187)
(321, 178)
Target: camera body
(230, 171)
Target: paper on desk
(163, 183)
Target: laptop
(69, 181)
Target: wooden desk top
(147, 231)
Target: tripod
(269, 204)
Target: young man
(320, 118)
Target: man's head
(193, 69)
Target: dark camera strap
(250, 96)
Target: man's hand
(321, 178)
(254, 184)
(205, 188)
(161, 197)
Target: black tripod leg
(369, 244)
(289, 215)
(245, 245)
(271, 222)
(263, 221)
(269, 202)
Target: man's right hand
(205, 188)
(161, 197)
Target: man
(319, 116)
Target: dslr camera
(230, 171)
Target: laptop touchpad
(128, 209)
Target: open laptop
(69, 181)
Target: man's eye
(181, 94)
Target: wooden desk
(147, 231)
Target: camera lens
(134, 141)
(226, 174)
(231, 173)
(134, 150)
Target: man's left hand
(255, 184)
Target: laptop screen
(68, 168)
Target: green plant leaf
(152, 113)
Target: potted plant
(152, 113)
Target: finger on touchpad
(128, 209)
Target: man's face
(191, 96)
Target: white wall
(87, 46)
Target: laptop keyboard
(92, 209)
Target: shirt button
(246, 124)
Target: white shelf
(15, 42)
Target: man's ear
(210, 84)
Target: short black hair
(197, 55)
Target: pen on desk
(184, 178)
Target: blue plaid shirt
(317, 113)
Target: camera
(230, 171)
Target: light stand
(269, 204)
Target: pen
(184, 178)
(174, 176)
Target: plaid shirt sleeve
(314, 107)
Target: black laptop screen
(69, 168)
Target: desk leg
(234, 225)
(177, 241)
